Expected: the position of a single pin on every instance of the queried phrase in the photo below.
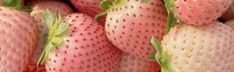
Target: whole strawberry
(37, 13)
(230, 23)
(18, 38)
(85, 47)
(129, 63)
(188, 48)
(195, 12)
(131, 23)
(229, 14)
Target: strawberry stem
(161, 56)
(106, 5)
(171, 19)
(57, 30)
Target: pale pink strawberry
(85, 48)
(207, 48)
(129, 63)
(229, 14)
(197, 12)
(131, 23)
(18, 39)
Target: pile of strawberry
(116, 35)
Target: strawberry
(230, 23)
(18, 38)
(229, 14)
(131, 23)
(84, 47)
(187, 48)
(129, 63)
(195, 12)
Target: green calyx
(161, 57)
(107, 5)
(16, 4)
(57, 30)
(171, 19)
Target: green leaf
(58, 17)
(26, 9)
(44, 54)
(152, 55)
(117, 2)
(161, 56)
(171, 19)
(156, 44)
(62, 29)
(145, 1)
(48, 18)
(106, 4)
(16, 4)
(12, 3)
(57, 28)
(98, 16)
(57, 41)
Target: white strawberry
(188, 48)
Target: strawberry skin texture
(200, 12)
(206, 48)
(129, 63)
(130, 25)
(85, 49)
(18, 39)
